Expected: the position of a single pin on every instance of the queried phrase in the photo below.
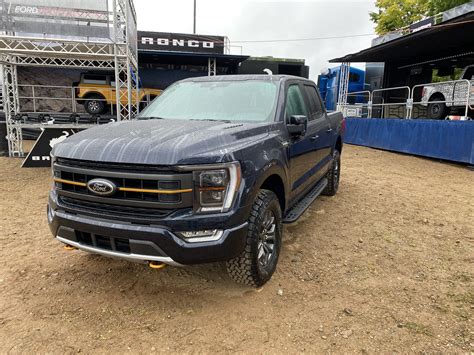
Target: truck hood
(161, 142)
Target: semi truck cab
(328, 84)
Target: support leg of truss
(343, 87)
(10, 106)
(211, 66)
(126, 86)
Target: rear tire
(257, 263)
(94, 105)
(437, 111)
(333, 175)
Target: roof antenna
(268, 71)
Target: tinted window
(94, 79)
(469, 74)
(294, 102)
(319, 101)
(316, 109)
(354, 77)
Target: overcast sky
(266, 20)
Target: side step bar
(302, 205)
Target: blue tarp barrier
(449, 140)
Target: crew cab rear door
(323, 135)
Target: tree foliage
(395, 14)
(437, 6)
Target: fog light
(208, 235)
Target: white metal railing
(384, 104)
(457, 93)
(355, 105)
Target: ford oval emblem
(101, 187)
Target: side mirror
(297, 125)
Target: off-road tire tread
(242, 269)
(332, 186)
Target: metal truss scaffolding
(10, 106)
(211, 67)
(343, 87)
(117, 52)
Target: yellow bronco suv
(97, 93)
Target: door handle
(329, 130)
(313, 138)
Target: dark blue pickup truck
(209, 172)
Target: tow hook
(156, 265)
(69, 247)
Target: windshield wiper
(211, 120)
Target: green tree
(395, 14)
(437, 6)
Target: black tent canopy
(445, 40)
(410, 59)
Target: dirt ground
(384, 266)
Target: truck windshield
(237, 101)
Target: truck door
(302, 150)
(322, 132)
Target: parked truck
(209, 172)
(441, 98)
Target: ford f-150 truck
(208, 172)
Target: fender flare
(88, 94)
(271, 168)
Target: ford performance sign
(180, 42)
(79, 19)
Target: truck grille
(120, 167)
(135, 184)
(142, 191)
(112, 210)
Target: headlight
(215, 186)
(212, 188)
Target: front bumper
(141, 242)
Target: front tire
(257, 263)
(333, 175)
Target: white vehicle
(441, 98)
